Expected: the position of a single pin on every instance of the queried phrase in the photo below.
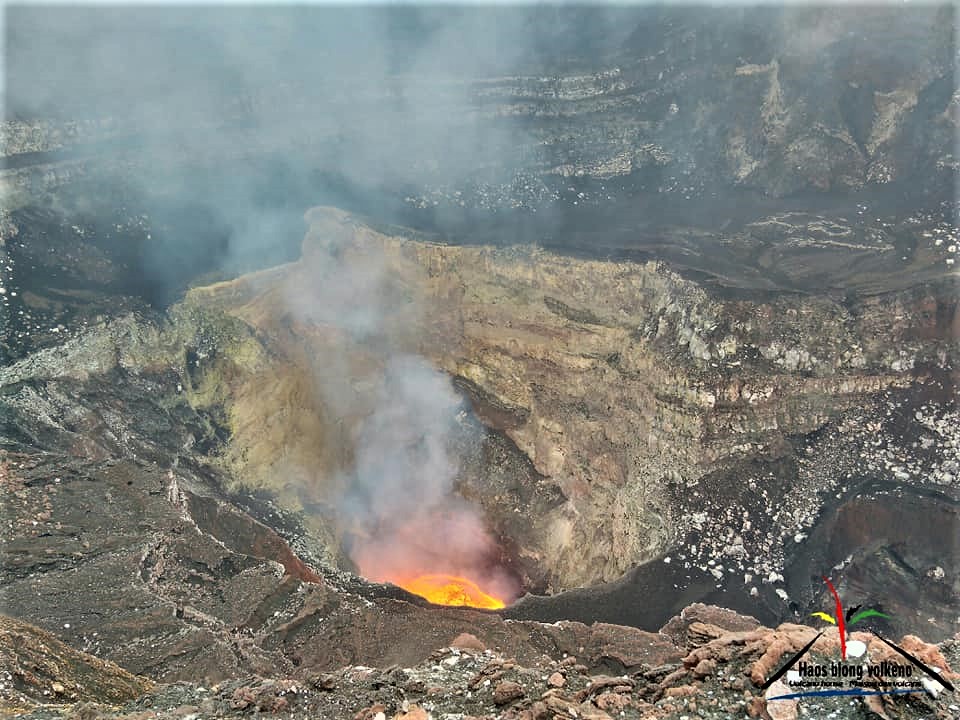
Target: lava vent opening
(446, 555)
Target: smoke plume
(396, 502)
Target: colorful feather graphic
(869, 612)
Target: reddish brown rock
(603, 682)
(586, 711)
(467, 641)
(506, 692)
(612, 702)
(629, 646)
(537, 711)
(413, 712)
(678, 627)
(874, 704)
(369, 713)
(781, 709)
(560, 706)
(705, 667)
(786, 639)
(757, 708)
(928, 654)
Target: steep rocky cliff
(583, 109)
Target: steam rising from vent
(397, 504)
(401, 501)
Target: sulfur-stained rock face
(621, 383)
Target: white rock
(932, 687)
(780, 709)
(856, 648)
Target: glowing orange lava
(451, 590)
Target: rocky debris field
(721, 660)
(755, 523)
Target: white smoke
(397, 503)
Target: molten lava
(451, 590)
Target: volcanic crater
(629, 344)
(543, 425)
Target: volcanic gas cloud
(410, 529)
(401, 519)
